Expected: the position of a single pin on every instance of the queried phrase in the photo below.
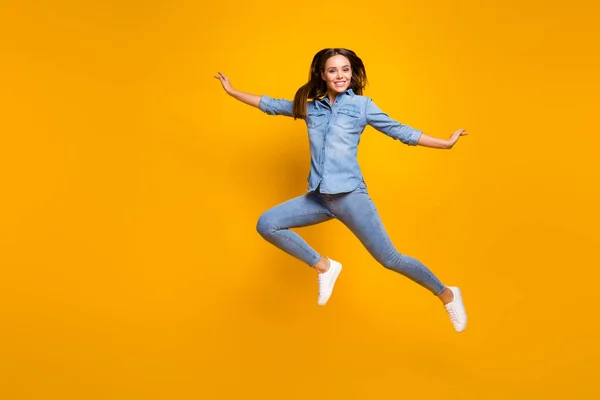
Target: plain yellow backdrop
(131, 186)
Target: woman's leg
(357, 211)
(273, 225)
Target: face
(337, 74)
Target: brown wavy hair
(316, 87)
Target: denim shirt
(334, 134)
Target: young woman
(336, 116)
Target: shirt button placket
(323, 148)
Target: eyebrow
(344, 66)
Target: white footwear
(327, 281)
(456, 310)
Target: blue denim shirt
(334, 133)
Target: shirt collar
(348, 91)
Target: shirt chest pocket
(315, 119)
(347, 118)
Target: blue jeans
(354, 209)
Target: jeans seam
(299, 245)
(427, 272)
(303, 214)
(293, 242)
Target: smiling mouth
(339, 83)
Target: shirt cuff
(264, 103)
(415, 135)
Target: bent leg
(274, 225)
(357, 211)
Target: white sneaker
(327, 281)
(456, 310)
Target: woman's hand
(454, 138)
(225, 83)
(438, 143)
(250, 99)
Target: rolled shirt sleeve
(383, 123)
(272, 106)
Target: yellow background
(131, 186)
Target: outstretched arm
(407, 135)
(250, 99)
(436, 143)
(264, 103)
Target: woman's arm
(264, 103)
(247, 98)
(410, 136)
(250, 99)
(437, 143)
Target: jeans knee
(393, 261)
(264, 226)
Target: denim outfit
(334, 134)
(336, 188)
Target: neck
(332, 97)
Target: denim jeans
(354, 209)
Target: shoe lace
(452, 313)
(321, 280)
